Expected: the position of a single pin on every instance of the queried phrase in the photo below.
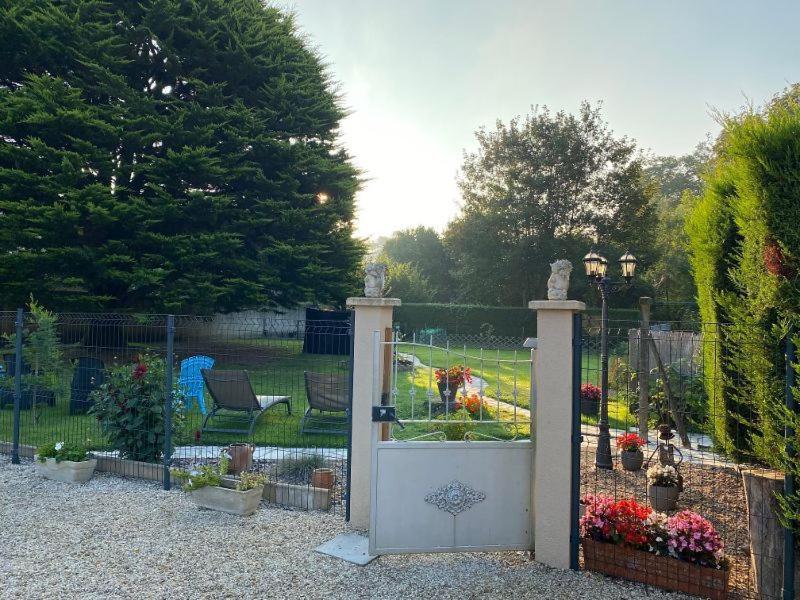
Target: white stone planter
(67, 471)
(228, 500)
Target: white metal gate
(458, 477)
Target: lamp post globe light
(596, 268)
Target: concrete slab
(350, 547)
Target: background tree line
(546, 186)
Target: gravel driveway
(117, 538)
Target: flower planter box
(228, 500)
(659, 571)
(590, 408)
(66, 471)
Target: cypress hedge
(744, 246)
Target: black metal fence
(660, 388)
(146, 393)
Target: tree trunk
(766, 533)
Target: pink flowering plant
(685, 536)
(693, 538)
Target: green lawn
(275, 368)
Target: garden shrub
(130, 409)
(744, 246)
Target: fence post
(168, 400)
(17, 386)
(554, 438)
(577, 439)
(788, 481)
(643, 374)
(370, 315)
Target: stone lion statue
(558, 283)
(375, 280)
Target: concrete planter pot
(631, 460)
(661, 498)
(66, 471)
(228, 500)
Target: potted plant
(630, 451)
(662, 487)
(449, 380)
(590, 400)
(205, 488)
(69, 463)
(682, 553)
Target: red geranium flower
(139, 371)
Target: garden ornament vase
(558, 283)
(662, 498)
(632, 460)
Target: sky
(420, 76)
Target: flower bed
(680, 553)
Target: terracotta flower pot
(661, 498)
(322, 478)
(632, 460)
(241, 458)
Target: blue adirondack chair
(191, 381)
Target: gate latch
(385, 414)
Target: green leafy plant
(250, 481)
(41, 351)
(130, 409)
(455, 425)
(212, 475)
(62, 451)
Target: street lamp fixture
(596, 268)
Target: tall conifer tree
(175, 155)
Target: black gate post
(17, 386)
(577, 438)
(168, 400)
(788, 482)
(352, 321)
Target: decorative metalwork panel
(455, 497)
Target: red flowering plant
(472, 403)
(629, 442)
(454, 376)
(590, 392)
(130, 407)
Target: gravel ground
(117, 538)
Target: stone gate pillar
(553, 430)
(371, 315)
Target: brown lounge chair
(327, 393)
(233, 392)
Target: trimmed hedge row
(744, 248)
(475, 319)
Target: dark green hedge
(475, 319)
(744, 246)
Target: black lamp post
(596, 267)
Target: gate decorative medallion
(455, 497)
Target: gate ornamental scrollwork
(455, 497)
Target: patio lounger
(232, 391)
(327, 393)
